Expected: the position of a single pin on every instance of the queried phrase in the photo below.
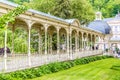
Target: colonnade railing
(21, 61)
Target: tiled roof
(100, 25)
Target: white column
(13, 29)
(58, 41)
(5, 51)
(46, 26)
(29, 53)
(71, 53)
(51, 43)
(82, 41)
(87, 41)
(68, 42)
(76, 43)
(91, 43)
(39, 44)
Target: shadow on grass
(116, 67)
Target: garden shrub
(48, 68)
(45, 69)
(18, 74)
(66, 65)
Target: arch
(89, 36)
(51, 29)
(62, 31)
(74, 22)
(80, 34)
(63, 39)
(93, 38)
(37, 25)
(73, 32)
(19, 22)
(84, 35)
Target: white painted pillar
(76, 42)
(71, 53)
(5, 50)
(58, 41)
(51, 43)
(29, 52)
(87, 41)
(82, 42)
(68, 42)
(91, 43)
(13, 40)
(39, 44)
(46, 26)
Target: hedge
(48, 68)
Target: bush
(49, 68)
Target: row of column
(69, 41)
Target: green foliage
(62, 9)
(49, 68)
(11, 15)
(80, 9)
(10, 18)
(42, 5)
(109, 8)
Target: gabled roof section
(74, 22)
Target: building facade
(78, 41)
(114, 23)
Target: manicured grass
(98, 70)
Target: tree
(10, 16)
(62, 9)
(42, 5)
(82, 10)
(99, 4)
(79, 9)
(109, 8)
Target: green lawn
(98, 70)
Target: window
(116, 28)
(115, 36)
